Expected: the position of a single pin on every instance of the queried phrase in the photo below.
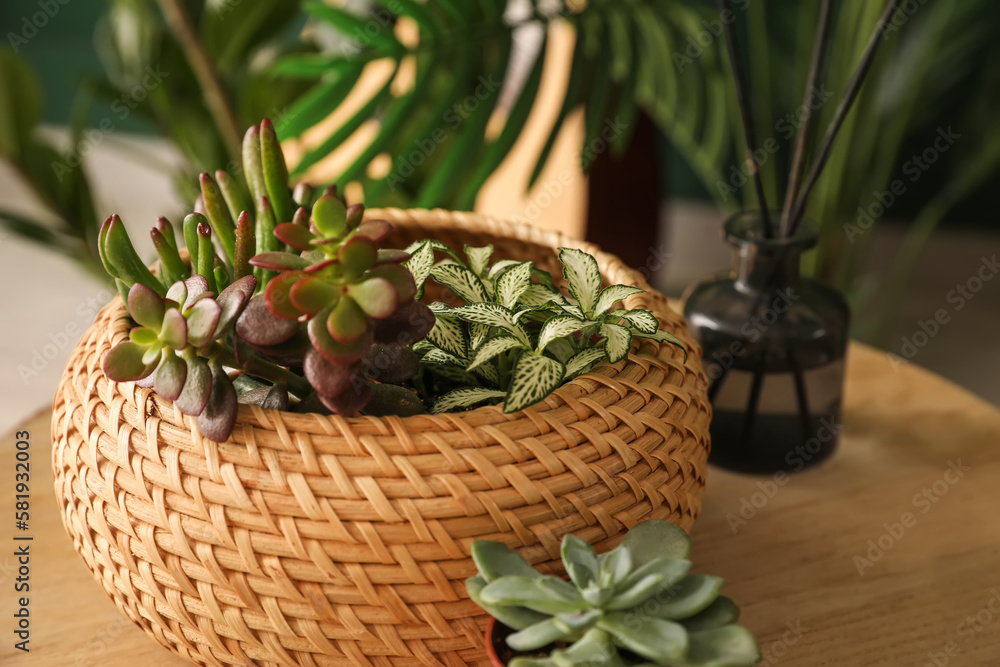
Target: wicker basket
(313, 540)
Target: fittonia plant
(633, 605)
(518, 336)
(288, 299)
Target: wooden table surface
(888, 554)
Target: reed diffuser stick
(851, 94)
(746, 113)
(799, 159)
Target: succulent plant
(176, 347)
(329, 304)
(519, 336)
(635, 604)
(312, 304)
(342, 284)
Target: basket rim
(484, 224)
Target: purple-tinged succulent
(341, 285)
(330, 327)
(175, 347)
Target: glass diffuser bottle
(774, 344)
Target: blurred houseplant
(620, 68)
(196, 72)
(658, 57)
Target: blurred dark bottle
(774, 346)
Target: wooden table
(889, 554)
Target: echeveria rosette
(341, 284)
(636, 604)
(176, 348)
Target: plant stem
(261, 368)
(732, 44)
(208, 79)
(798, 161)
(851, 94)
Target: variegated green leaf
(643, 321)
(537, 295)
(461, 281)
(492, 348)
(619, 340)
(611, 295)
(420, 264)
(558, 327)
(449, 335)
(478, 258)
(435, 245)
(512, 283)
(464, 398)
(534, 378)
(438, 356)
(664, 337)
(573, 309)
(492, 315)
(500, 267)
(489, 373)
(584, 276)
(584, 361)
(477, 334)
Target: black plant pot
(774, 346)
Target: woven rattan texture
(314, 540)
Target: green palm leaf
(443, 137)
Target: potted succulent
(635, 604)
(281, 442)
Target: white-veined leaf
(489, 373)
(449, 335)
(492, 315)
(618, 343)
(422, 346)
(464, 398)
(643, 321)
(477, 334)
(537, 314)
(461, 281)
(584, 276)
(478, 258)
(440, 357)
(534, 378)
(664, 337)
(611, 295)
(583, 361)
(420, 263)
(512, 283)
(558, 327)
(501, 266)
(574, 310)
(492, 348)
(537, 295)
(434, 245)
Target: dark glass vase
(774, 345)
